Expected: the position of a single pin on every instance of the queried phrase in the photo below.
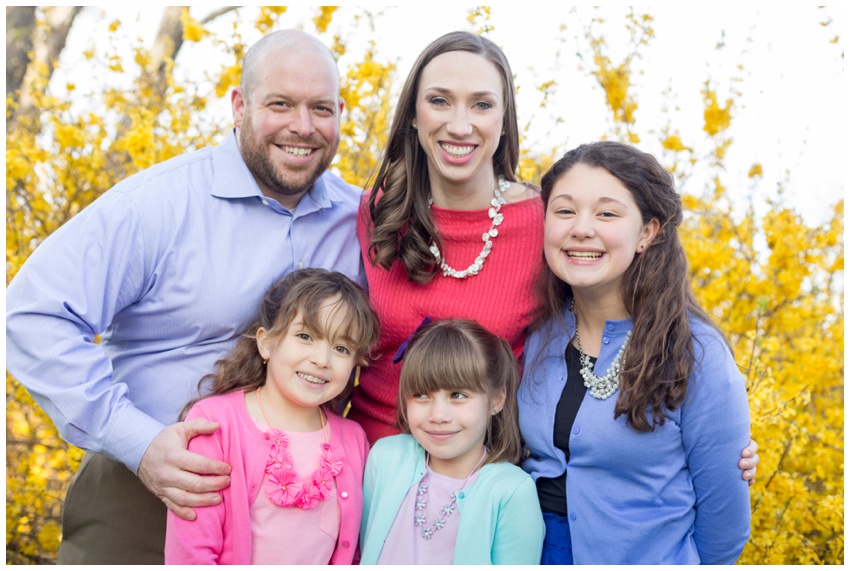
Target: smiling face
(305, 368)
(593, 230)
(451, 426)
(459, 116)
(287, 121)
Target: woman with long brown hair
(631, 404)
(447, 231)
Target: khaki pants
(110, 517)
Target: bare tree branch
(220, 12)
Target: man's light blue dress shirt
(170, 266)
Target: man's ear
(237, 104)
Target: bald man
(170, 266)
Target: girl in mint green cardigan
(447, 490)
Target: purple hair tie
(399, 355)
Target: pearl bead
(493, 213)
(606, 385)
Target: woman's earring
(265, 362)
(414, 123)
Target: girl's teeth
(311, 378)
(586, 255)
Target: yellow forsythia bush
(772, 282)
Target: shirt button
(576, 429)
(605, 339)
(610, 327)
(265, 202)
(344, 495)
(460, 495)
(300, 265)
(345, 543)
(572, 517)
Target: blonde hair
(460, 354)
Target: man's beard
(273, 177)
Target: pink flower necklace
(284, 486)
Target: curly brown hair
(655, 288)
(302, 291)
(400, 225)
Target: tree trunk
(169, 40)
(20, 23)
(48, 42)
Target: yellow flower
(673, 143)
(323, 18)
(192, 29)
(716, 118)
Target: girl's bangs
(454, 364)
(348, 329)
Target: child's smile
(451, 426)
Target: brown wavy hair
(303, 291)
(460, 354)
(655, 288)
(400, 226)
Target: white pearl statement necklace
(496, 217)
(606, 385)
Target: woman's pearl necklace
(493, 213)
(606, 385)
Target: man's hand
(183, 479)
(749, 461)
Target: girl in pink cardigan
(297, 468)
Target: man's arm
(65, 294)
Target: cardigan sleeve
(368, 552)
(198, 542)
(519, 533)
(715, 428)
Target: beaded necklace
(419, 520)
(284, 486)
(487, 237)
(606, 385)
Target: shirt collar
(233, 179)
